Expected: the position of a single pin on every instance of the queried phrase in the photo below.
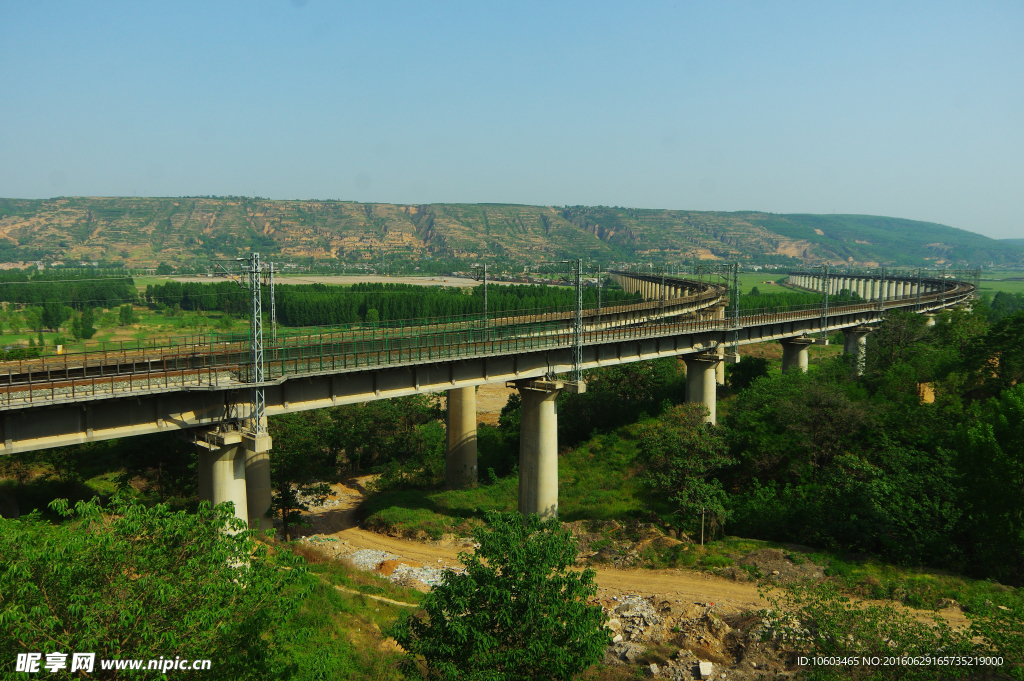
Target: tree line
(76, 290)
(791, 300)
(322, 305)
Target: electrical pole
(251, 271)
(824, 306)
(574, 274)
(736, 311)
(257, 413)
(273, 300)
(480, 272)
(576, 271)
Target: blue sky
(905, 109)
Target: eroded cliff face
(142, 232)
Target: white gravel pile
(369, 559)
(428, 575)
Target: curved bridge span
(201, 389)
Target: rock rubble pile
(685, 641)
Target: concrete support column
(701, 385)
(899, 289)
(222, 472)
(720, 369)
(257, 481)
(794, 354)
(538, 449)
(460, 460)
(205, 474)
(855, 344)
(930, 320)
(860, 287)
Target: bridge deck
(226, 366)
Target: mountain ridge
(143, 232)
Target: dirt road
(338, 523)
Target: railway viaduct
(199, 389)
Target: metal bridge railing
(226, 363)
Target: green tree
(303, 457)
(87, 323)
(791, 425)
(34, 318)
(372, 316)
(128, 581)
(518, 611)
(990, 450)
(742, 374)
(681, 454)
(54, 314)
(126, 315)
(616, 396)
(998, 356)
(903, 338)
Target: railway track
(227, 365)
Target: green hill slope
(142, 232)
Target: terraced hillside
(143, 232)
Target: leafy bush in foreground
(128, 581)
(518, 612)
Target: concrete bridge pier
(538, 448)
(794, 354)
(701, 381)
(257, 481)
(460, 460)
(855, 344)
(222, 471)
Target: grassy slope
(890, 240)
(594, 482)
(337, 634)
